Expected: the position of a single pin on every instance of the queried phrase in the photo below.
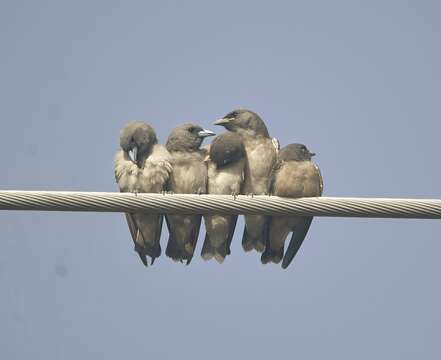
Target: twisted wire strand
(220, 204)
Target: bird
(295, 175)
(142, 165)
(261, 155)
(226, 164)
(189, 176)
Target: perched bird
(261, 155)
(226, 164)
(189, 176)
(294, 175)
(142, 165)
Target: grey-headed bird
(189, 176)
(261, 155)
(294, 175)
(226, 164)
(142, 166)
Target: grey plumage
(226, 161)
(294, 175)
(189, 176)
(142, 165)
(261, 154)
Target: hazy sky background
(359, 82)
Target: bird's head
(226, 149)
(137, 140)
(187, 137)
(244, 122)
(295, 152)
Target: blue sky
(358, 82)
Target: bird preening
(242, 160)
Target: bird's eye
(232, 115)
(191, 129)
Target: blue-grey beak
(204, 133)
(133, 154)
(222, 122)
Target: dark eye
(232, 115)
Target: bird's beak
(222, 122)
(204, 133)
(133, 154)
(311, 154)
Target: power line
(220, 204)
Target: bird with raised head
(261, 154)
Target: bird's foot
(234, 194)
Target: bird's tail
(142, 255)
(153, 251)
(271, 255)
(209, 251)
(257, 238)
(172, 250)
(181, 246)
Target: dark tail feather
(207, 252)
(297, 238)
(270, 255)
(220, 253)
(258, 243)
(172, 250)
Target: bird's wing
(132, 226)
(297, 238)
(273, 174)
(137, 238)
(231, 233)
(194, 236)
(158, 234)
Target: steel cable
(220, 204)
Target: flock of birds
(243, 160)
